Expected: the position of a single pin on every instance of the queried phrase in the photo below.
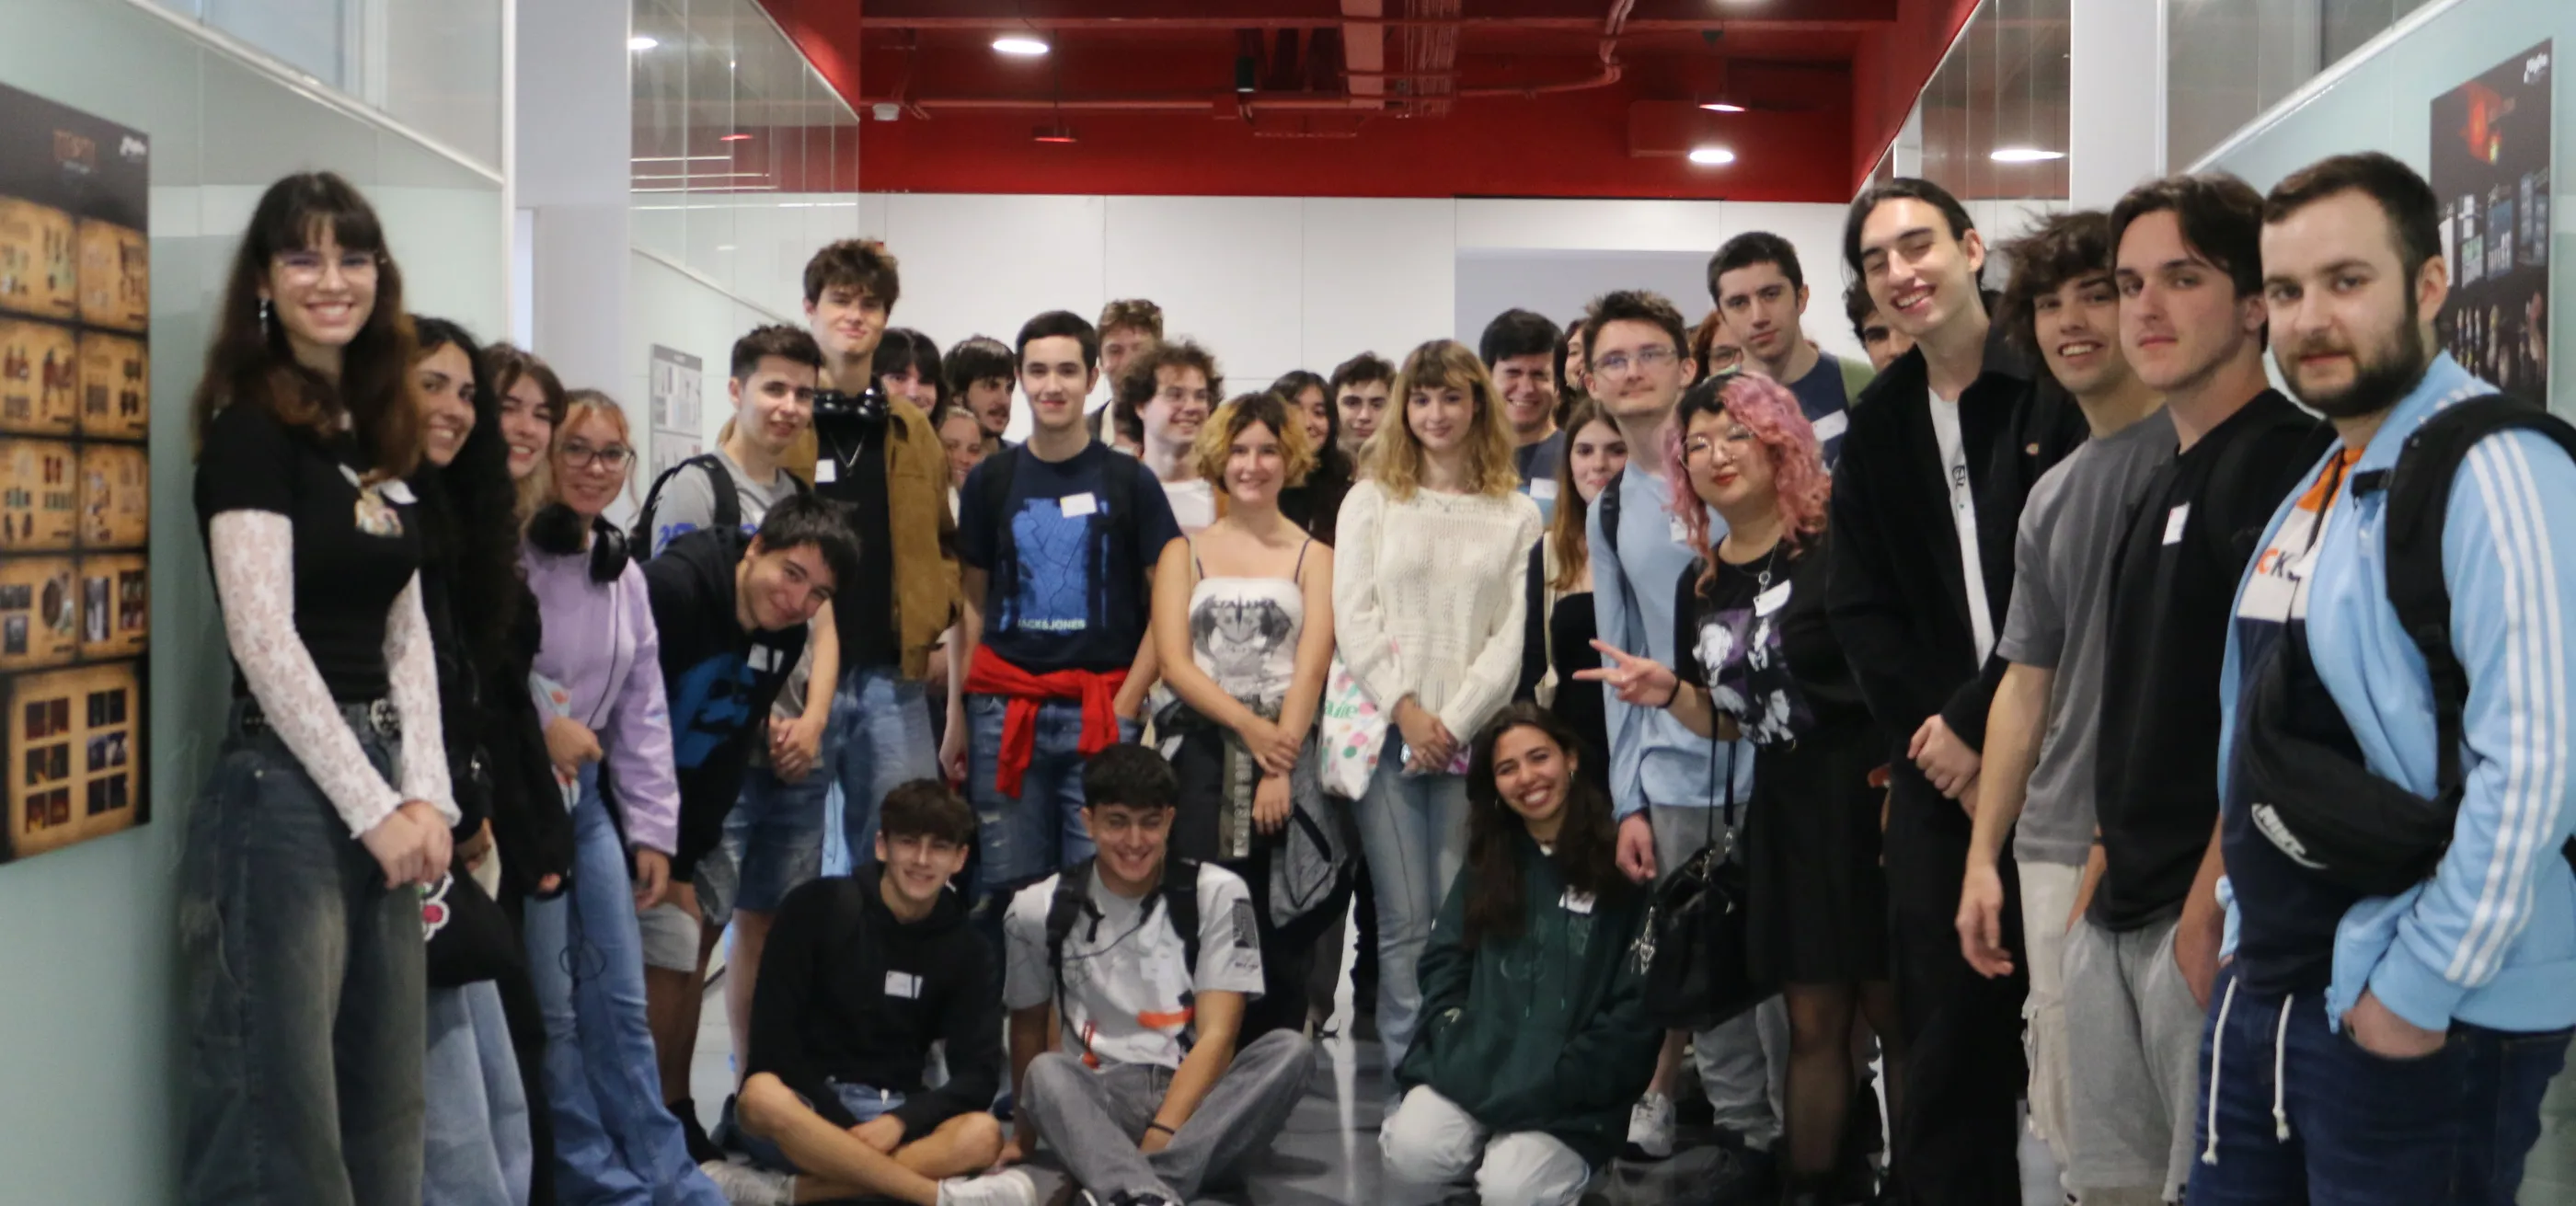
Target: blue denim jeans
(307, 985)
(476, 1142)
(615, 1142)
(1413, 831)
(1023, 840)
(773, 838)
(883, 722)
(2338, 1124)
(864, 1104)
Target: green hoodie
(1543, 1032)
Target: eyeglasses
(308, 267)
(1646, 358)
(1733, 441)
(577, 455)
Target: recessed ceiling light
(2024, 155)
(1721, 106)
(735, 138)
(1711, 156)
(642, 42)
(1019, 44)
(1058, 133)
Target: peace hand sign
(1638, 681)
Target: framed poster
(75, 475)
(673, 397)
(2491, 168)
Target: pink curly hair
(1768, 410)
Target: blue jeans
(883, 724)
(306, 982)
(476, 1142)
(615, 1142)
(864, 1104)
(1413, 831)
(2446, 1129)
(1024, 840)
(773, 838)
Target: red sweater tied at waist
(989, 674)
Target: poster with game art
(2491, 166)
(75, 475)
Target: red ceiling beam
(1651, 16)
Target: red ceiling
(1396, 98)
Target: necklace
(846, 456)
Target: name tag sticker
(1832, 425)
(904, 985)
(1772, 600)
(396, 491)
(826, 472)
(1576, 902)
(1078, 505)
(1543, 489)
(2174, 521)
(763, 657)
(1680, 534)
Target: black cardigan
(1899, 600)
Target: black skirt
(1818, 913)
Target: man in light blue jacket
(2394, 1049)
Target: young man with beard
(1170, 390)
(1755, 283)
(1359, 388)
(1059, 538)
(1662, 784)
(1927, 497)
(1127, 327)
(2388, 1049)
(865, 973)
(2038, 783)
(1883, 343)
(1142, 965)
(981, 373)
(1522, 350)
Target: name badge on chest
(903, 985)
(826, 472)
(1771, 601)
(1076, 506)
(1578, 903)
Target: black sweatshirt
(721, 680)
(850, 994)
(1899, 598)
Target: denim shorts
(773, 842)
(864, 1104)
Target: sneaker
(743, 1185)
(1010, 1187)
(1650, 1128)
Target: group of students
(1542, 624)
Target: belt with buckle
(377, 716)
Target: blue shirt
(1078, 601)
(1823, 398)
(1654, 758)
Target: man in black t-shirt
(1058, 538)
(2140, 963)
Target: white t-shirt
(1123, 979)
(1193, 504)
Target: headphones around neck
(557, 529)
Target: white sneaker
(1650, 1128)
(1010, 1187)
(743, 1185)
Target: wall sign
(672, 394)
(2491, 169)
(75, 474)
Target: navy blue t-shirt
(1822, 397)
(1078, 599)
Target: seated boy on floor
(861, 975)
(1148, 966)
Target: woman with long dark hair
(1557, 637)
(1534, 1039)
(1314, 503)
(1765, 667)
(304, 960)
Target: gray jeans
(1743, 1061)
(1094, 1118)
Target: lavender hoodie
(600, 644)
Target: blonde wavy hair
(1216, 438)
(583, 404)
(1395, 454)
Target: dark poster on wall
(75, 507)
(2491, 172)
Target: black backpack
(1112, 522)
(2315, 801)
(728, 499)
(1072, 903)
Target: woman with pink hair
(1764, 666)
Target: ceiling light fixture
(1721, 106)
(642, 42)
(1711, 156)
(2024, 155)
(735, 138)
(1020, 44)
(1057, 133)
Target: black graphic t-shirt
(1757, 640)
(1077, 598)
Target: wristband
(1152, 1127)
(1672, 698)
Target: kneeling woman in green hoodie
(1534, 1039)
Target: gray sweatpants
(2133, 1036)
(1094, 1118)
(1743, 1062)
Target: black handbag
(1699, 971)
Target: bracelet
(1672, 698)
(1151, 1127)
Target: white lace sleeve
(254, 562)
(411, 672)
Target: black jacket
(721, 680)
(828, 1008)
(1899, 599)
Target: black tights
(1821, 1075)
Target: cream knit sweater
(1428, 598)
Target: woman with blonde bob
(1243, 624)
(1428, 609)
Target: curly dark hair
(469, 510)
(1587, 843)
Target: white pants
(2047, 896)
(1430, 1141)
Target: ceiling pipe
(1611, 27)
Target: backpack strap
(728, 500)
(2419, 503)
(1180, 893)
(1115, 525)
(993, 483)
(1065, 909)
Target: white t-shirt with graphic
(1124, 982)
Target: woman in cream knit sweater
(1427, 611)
